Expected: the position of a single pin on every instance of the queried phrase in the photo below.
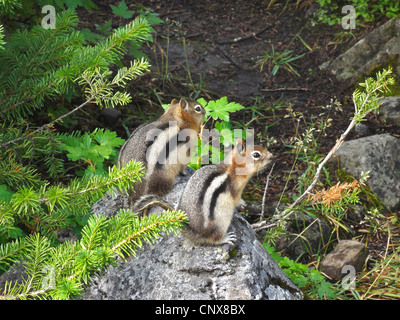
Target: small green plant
(275, 60)
(122, 10)
(331, 10)
(208, 145)
(333, 204)
(93, 149)
(310, 281)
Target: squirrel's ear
(173, 102)
(184, 104)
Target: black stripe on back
(149, 143)
(164, 154)
(167, 150)
(207, 183)
(221, 189)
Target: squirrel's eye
(197, 108)
(256, 155)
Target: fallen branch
(239, 39)
(285, 89)
(265, 192)
(262, 225)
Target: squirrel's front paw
(230, 238)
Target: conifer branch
(118, 235)
(166, 220)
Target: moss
(285, 199)
(233, 253)
(369, 199)
(394, 64)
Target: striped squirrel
(212, 194)
(164, 147)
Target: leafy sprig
(91, 148)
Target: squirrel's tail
(149, 200)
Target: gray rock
(348, 253)
(373, 50)
(110, 117)
(390, 110)
(362, 129)
(304, 235)
(378, 154)
(175, 268)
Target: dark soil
(205, 59)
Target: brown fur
(161, 179)
(225, 196)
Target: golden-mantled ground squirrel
(164, 147)
(212, 194)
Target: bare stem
(48, 125)
(265, 192)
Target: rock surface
(390, 110)
(348, 253)
(376, 49)
(175, 268)
(305, 235)
(378, 154)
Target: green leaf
(224, 128)
(105, 28)
(108, 138)
(102, 152)
(86, 141)
(150, 17)
(91, 36)
(74, 153)
(5, 194)
(325, 288)
(220, 108)
(72, 4)
(221, 125)
(89, 5)
(138, 54)
(122, 10)
(203, 102)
